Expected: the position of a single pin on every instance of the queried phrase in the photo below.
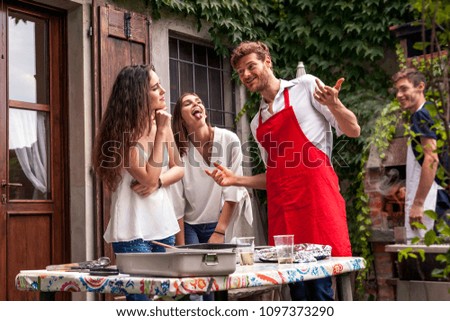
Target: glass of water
(246, 250)
(284, 245)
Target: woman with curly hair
(134, 145)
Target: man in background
(424, 191)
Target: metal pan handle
(210, 259)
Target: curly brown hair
(181, 135)
(127, 116)
(248, 47)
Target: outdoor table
(257, 275)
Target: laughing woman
(207, 212)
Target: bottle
(300, 69)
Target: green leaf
(418, 225)
(432, 214)
(422, 255)
(419, 149)
(437, 273)
(421, 45)
(404, 254)
(430, 237)
(441, 258)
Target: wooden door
(32, 186)
(122, 38)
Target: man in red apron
(293, 130)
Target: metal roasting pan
(180, 263)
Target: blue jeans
(141, 246)
(313, 290)
(442, 204)
(198, 233)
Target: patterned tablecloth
(259, 274)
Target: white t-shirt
(413, 173)
(197, 197)
(314, 118)
(136, 217)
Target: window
(29, 107)
(197, 68)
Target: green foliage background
(333, 38)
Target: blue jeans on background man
(141, 246)
(199, 233)
(442, 204)
(313, 290)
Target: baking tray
(180, 263)
(230, 247)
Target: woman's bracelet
(217, 232)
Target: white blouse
(136, 217)
(197, 197)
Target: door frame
(58, 120)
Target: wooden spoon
(167, 246)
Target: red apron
(302, 188)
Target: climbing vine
(380, 136)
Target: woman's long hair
(179, 130)
(127, 116)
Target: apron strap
(286, 98)
(286, 103)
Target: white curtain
(27, 136)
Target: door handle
(4, 183)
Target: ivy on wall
(333, 38)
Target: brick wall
(384, 272)
(384, 178)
